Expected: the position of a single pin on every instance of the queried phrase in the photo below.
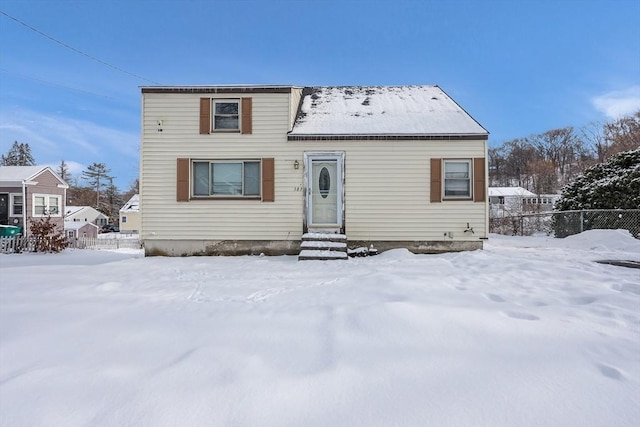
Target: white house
(130, 215)
(509, 201)
(257, 169)
(85, 214)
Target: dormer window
(219, 115)
(226, 116)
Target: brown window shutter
(182, 186)
(478, 180)
(205, 115)
(436, 180)
(247, 124)
(268, 180)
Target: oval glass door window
(324, 182)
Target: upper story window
(46, 205)
(457, 179)
(17, 205)
(226, 115)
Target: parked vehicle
(110, 228)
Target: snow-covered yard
(528, 332)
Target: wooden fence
(17, 244)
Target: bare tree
(623, 134)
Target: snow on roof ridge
(382, 110)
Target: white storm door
(324, 194)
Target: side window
(457, 179)
(17, 205)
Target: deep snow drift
(528, 332)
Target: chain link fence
(567, 223)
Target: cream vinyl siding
(386, 182)
(164, 218)
(133, 221)
(387, 191)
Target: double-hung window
(226, 115)
(457, 179)
(46, 204)
(226, 178)
(17, 205)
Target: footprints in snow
(521, 315)
(513, 314)
(495, 298)
(610, 372)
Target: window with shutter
(226, 115)
(223, 179)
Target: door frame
(309, 157)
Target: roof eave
(389, 137)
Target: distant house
(85, 214)
(509, 201)
(31, 192)
(130, 215)
(263, 169)
(78, 230)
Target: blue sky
(518, 67)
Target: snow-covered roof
(16, 175)
(382, 110)
(133, 205)
(70, 211)
(510, 191)
(77, 225)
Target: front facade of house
(85, 214)
(240, 170)
(30, 193)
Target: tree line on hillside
(93, 188)
(544, 163)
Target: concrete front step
(323, 246)
(321, 255)
(324, 236)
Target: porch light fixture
(296, 164)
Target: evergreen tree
(97, 176)
(63, 171)
(112, 200)
(614, 184)
(18, 155)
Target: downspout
(24, 209)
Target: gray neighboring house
(31, 192)
(79, 230)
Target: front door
(4, 209)
(324, 191)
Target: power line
(74, 49)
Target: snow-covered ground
(528, 332)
